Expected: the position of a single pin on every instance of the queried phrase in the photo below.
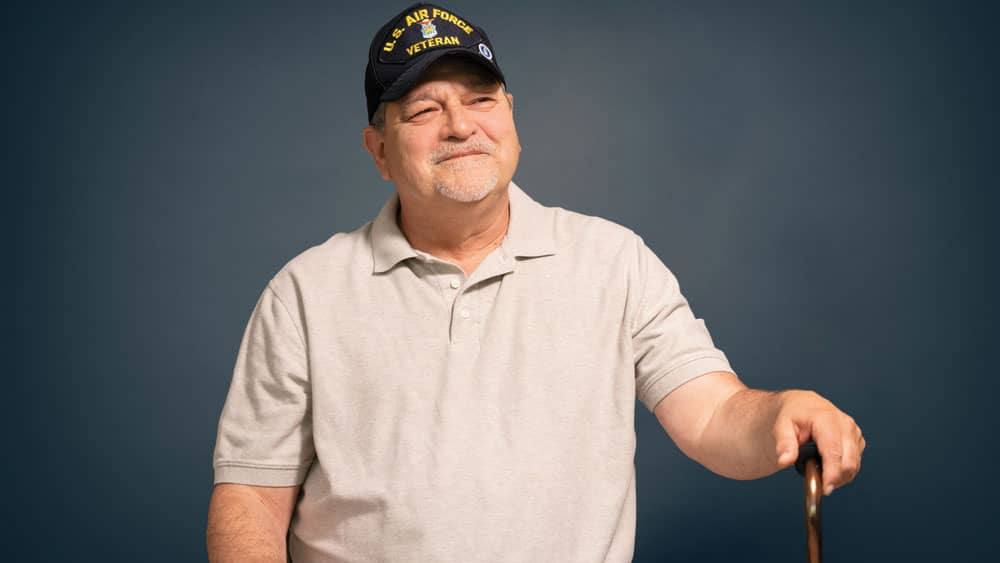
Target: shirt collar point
(531, 226)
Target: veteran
(456, 380)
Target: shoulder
(322, 264)
(592, 235)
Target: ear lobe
(375, 145)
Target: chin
(468, 191)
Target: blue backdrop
(815, 174)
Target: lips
(461, 154)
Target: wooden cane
(810, 466)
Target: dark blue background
(815, 173)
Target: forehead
(460, 70)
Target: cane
(810, 466)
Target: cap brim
(411, 76)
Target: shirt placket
(467, 297)
(465, 318)
(475, 296)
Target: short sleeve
(265, 431)
(671, 346)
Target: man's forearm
(738, 442)
(242, 530)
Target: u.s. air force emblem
(427, 28)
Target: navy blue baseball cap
(419, 35)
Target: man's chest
(437, 359)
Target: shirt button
(465, 313)
(454, 284)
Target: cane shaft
(814, 496)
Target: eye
(483, 103)
(420, 112)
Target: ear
(375, 145)
(510, 102)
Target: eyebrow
(415, 98)
(480, 86)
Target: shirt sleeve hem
(249, 474)
(661, 386)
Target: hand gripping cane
(810, 466)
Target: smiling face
(452, 136)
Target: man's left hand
(803, 415)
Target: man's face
(451, 136)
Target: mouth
(462, 154)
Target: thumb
(786, 442)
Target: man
(455, 381)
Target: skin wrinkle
(378, 118)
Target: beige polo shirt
(435, 417)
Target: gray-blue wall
(816, 173)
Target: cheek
(511, 147)
(408, 156)
(503, 132)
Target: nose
(459, 124)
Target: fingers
(786, 443)
(788, 436)
(840, 445)
(838, 438)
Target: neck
(463, 233)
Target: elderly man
(456, 380)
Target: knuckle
(852, 466)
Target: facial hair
(464, 187)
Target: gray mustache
(447, 152)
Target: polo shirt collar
(389, 245)
(529, 234)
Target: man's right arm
(249, 524)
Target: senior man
(456, 380)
